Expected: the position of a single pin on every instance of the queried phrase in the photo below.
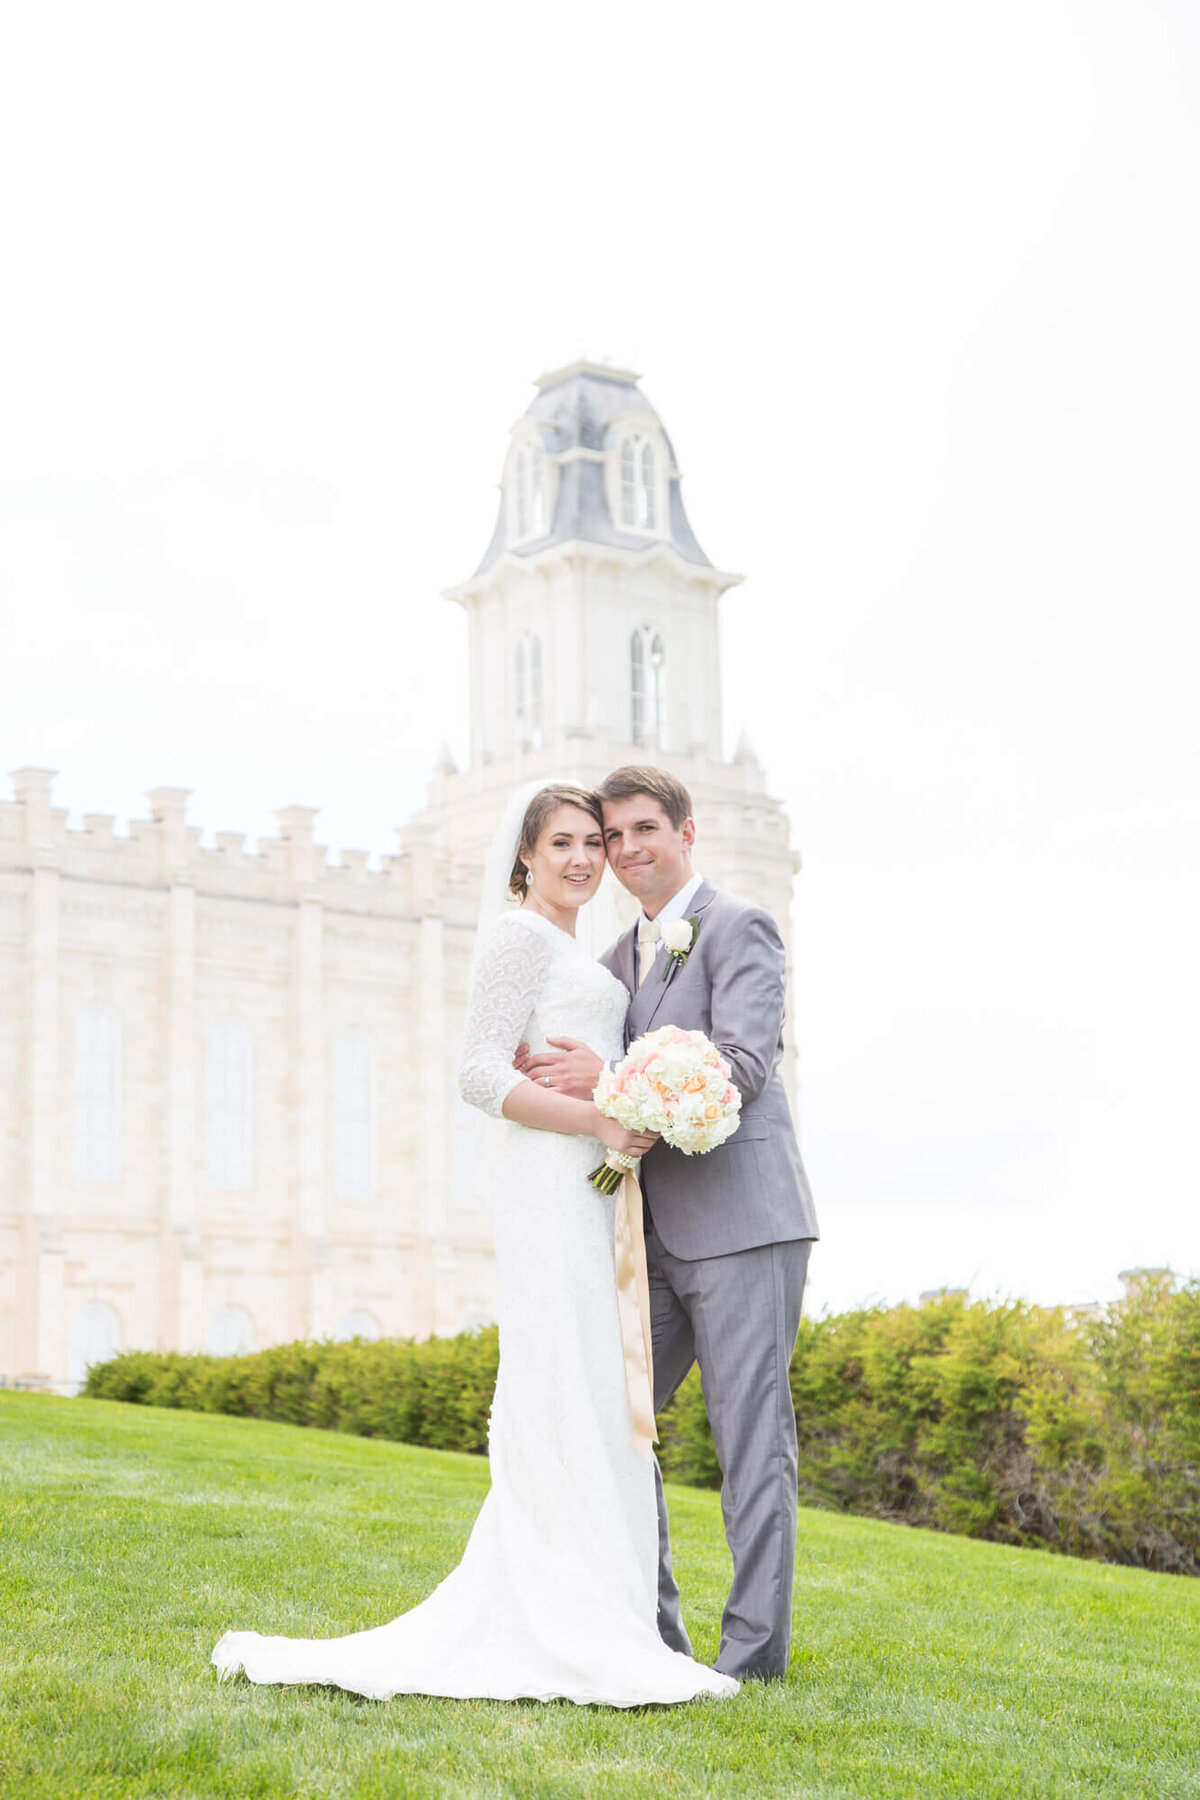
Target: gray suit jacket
(752, 1189)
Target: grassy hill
(922, 1665)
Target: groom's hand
(570, 1068)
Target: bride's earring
(529, 878)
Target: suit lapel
(653, 991)
(622, 959)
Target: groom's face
(647, 854)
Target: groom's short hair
(640, 778)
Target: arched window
(230, 1110)
(639, 501)
(529, 492)
(649, 490)
(521, 496)
(637, 687)
(354, 1115)
(358, 1323)
(96, 1107)
(629, 482)
(647, 689)
(95, 1338)
(535, 687)
(537, 491)
(230, 1331)
(529, 688)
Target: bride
(556, 1594)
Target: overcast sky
(915, 290)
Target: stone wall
(169, 937)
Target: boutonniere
(679, 940)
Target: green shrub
(1022, 1424)
(437, 1393)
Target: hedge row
(1021, 1424)
(437, 1393)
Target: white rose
(677, 935)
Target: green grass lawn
(922, 1665)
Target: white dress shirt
(676, 908)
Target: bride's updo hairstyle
(543, 806)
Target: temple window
(96, 1108)
(529, 689)
(354, 1115)
(647, 689)
(230, 1105)
(528, 510)
(640, 502)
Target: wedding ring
(546, 1081)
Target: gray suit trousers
(737, 1315)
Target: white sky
(915, 289)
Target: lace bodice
(532, 982)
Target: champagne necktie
(648, 936)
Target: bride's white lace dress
(555, 1596)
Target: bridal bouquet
(673, 1082)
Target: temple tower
(594, 639)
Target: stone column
(312, 1303)
(438, 1120)
(42, 1339)
(182, 1294)
(181, 1285)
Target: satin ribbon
(633, 1306)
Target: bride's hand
(631, 1143)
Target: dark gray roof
(576, 406)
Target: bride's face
(568, 859)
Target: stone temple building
(228, 1110)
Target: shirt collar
(677, 905)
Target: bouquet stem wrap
(633, 1307)
(676, 1085)
(617, 1174)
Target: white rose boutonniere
(679, 939)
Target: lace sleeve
(508, 974)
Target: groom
(727, 1234)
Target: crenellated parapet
(164, 851)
